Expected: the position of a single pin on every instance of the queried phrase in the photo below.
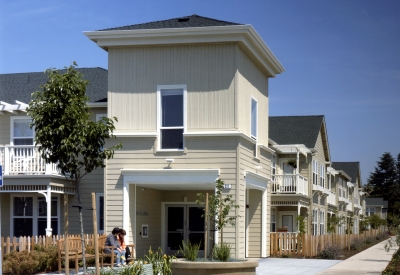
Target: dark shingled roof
(20, 86)
(191, 21)
(295, 129)
(376, 201)
(350, 168)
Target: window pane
(22, 129)
(253, 118)
(42, 207)
(23, 206)
(172, 139)
(101, 218)
(172, 108)
(23, 141)
(42, 225)
(22, 227)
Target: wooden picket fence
(27, 243)
(284, 243)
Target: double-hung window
(315, 171)
(322, 176)
(273, 167)
(315, 222)
(171, 116)
(21, 133)
(321, 222)
(254, 104)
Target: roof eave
(245, 35)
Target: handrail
(24, 159)
(290, 184)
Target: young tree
(219, 208)
(66, 134)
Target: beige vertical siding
(254, 228)
(249, 162)
(252, 82)
(212, 152)
(149, 201)
(207, 70)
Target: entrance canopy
(172, 179)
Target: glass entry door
(184, 222)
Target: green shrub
(369, 240)
(21, 263)
(161, 262)
(189, 250)
(222, 252)
(357, 244)
(48, 257)
(331, 252)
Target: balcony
(331, 198)
(290, 184)
(24, 160)
(344, 200)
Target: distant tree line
(384, 183)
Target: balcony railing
(342, 199)
(290, 184)
(24, 159)
(332, 198)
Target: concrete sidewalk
(370, 261)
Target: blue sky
(342, 57)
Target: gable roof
(351, 168)
(376, 202)
(20, 86)
(191, 21)
(295, 129)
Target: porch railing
(290, 184)
(331, 198)
(24, 159)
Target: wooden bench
(74, 247)
(102, 248)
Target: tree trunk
(220, 218)
(78, 194)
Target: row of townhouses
(191, 98)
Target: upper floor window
(315, 171)
(21, 133)
(171, 118)
(322, 176)
(273, 167)
(253, 118)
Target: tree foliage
(384, 182)
(67, 135)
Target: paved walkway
(287, 266)
(371, 261)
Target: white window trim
(171, 87)
(35, 215)
(251, 118)
(98, 195)
(99, 116)
(12, 119)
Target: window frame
(35, 211)
(160, 88)
(315, 171)
(12, 120)
(98, 196)
(322, 176)
(255, 117)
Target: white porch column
(125, 209)
(264, 224)
(49, 230)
